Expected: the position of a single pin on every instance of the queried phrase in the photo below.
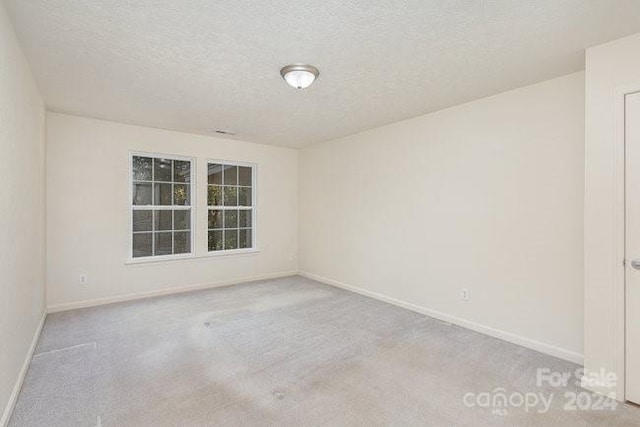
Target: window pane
(162, 169)
(244, 176)
(230, 175)
(163, 244)
(181, 242)
(230, 219)
(141, 167)
(181, 171)
(162, 231)
(142, 244)
(215, 240)
(215, 174)
(215, 219)
(182, 220)
(231, 239)
(163, 220)
(141, 194)
(245, 239)
(162, 194)
(142, 220)
(244, 196)
(214, 195)
(231, 196)
(244, 217)
(181, 194)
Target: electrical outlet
(465, 294)
(83, 279)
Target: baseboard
(497, 333)
(167, 291)
(8, 410)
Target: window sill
(233, 252)
(210, 255)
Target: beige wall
(22, 212)
(486, 196)
(88, 202)
(612, 69)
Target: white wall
(88, 202)
(612, 69)
(486, 196)
(22, 213)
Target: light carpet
(290, 352)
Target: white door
(632, 271)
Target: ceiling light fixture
(299, 76)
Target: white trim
(210, 256)
(166, 291)
(253, 208)
(497, 333)
(617, 269)
(191, 207)
(618, 250)
(231, 252)
(8, 410)
(159, 258)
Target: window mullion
(146, 166)
(239, 185)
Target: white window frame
(254, 209)
(192, 206)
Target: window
(231, 215)
(161, 214)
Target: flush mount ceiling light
(299, 76)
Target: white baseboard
(167, 291)
(497, 333)
(8, 410)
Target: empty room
(320, 213)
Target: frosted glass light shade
(299, 76)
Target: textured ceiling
(200, 65)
